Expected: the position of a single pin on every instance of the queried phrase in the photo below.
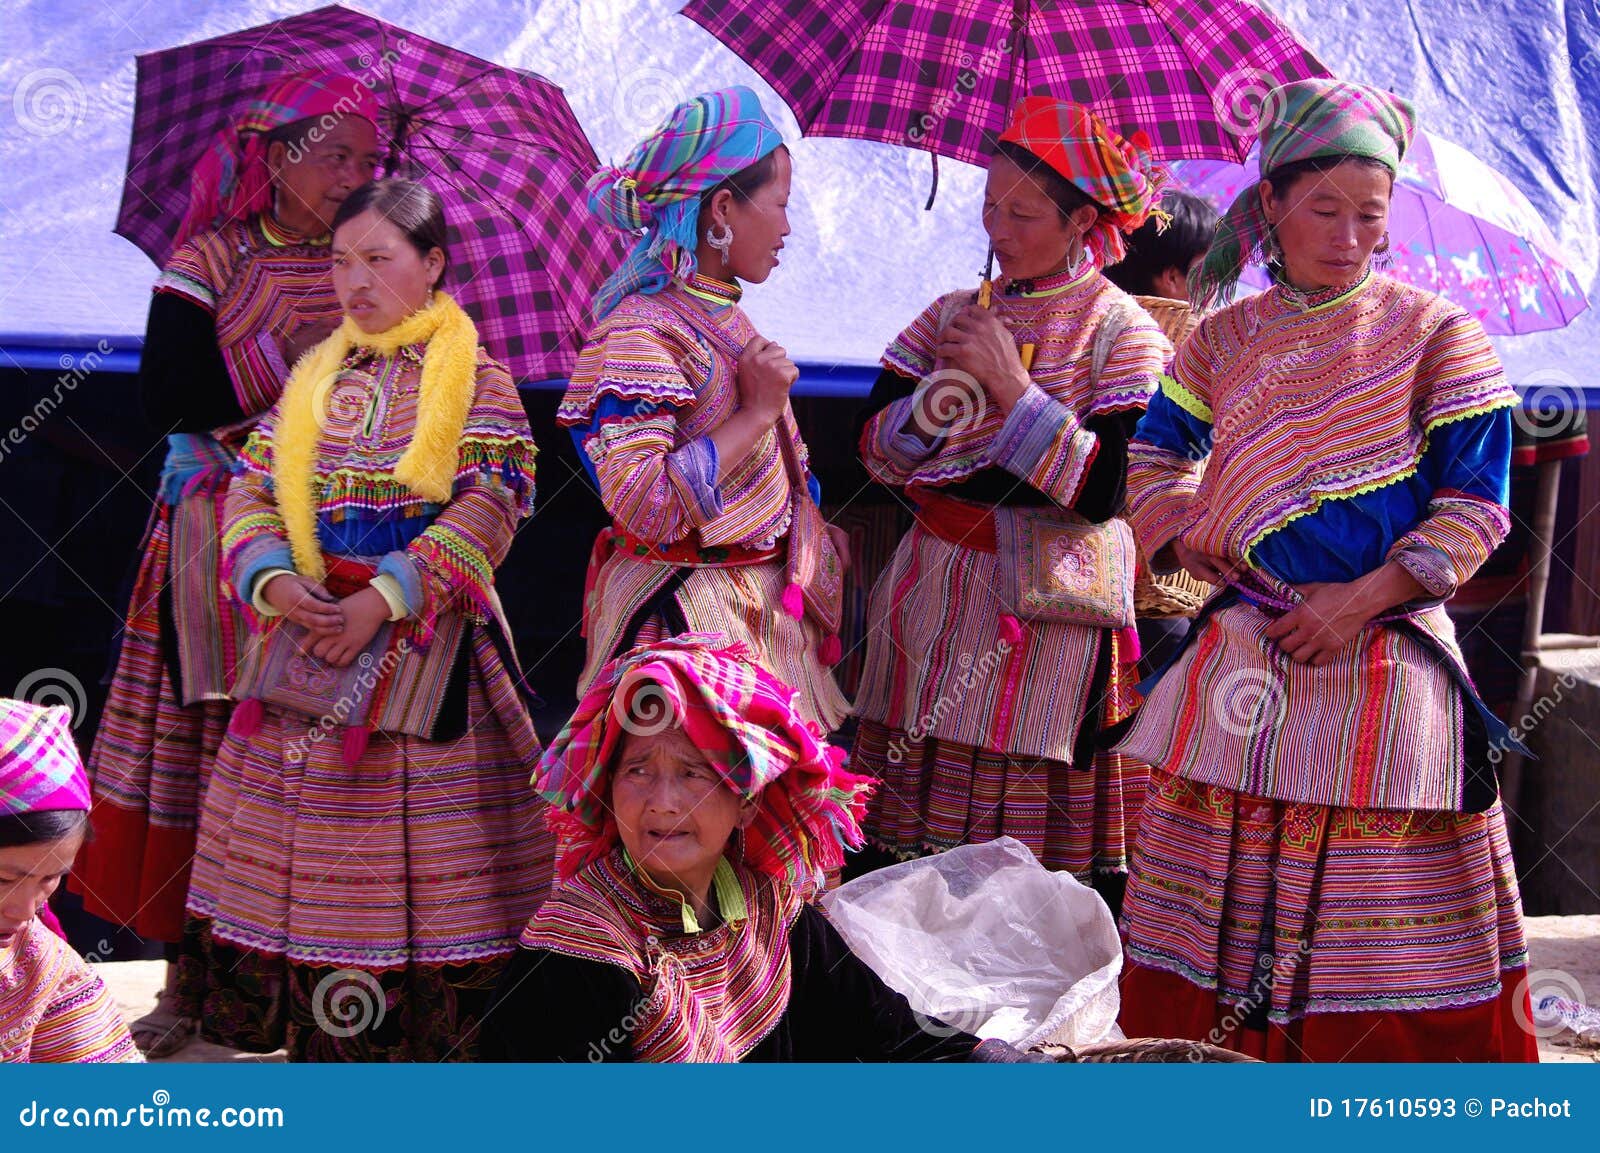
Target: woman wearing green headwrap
(1322, 870)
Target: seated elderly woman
(53, 1006)
(696, 815)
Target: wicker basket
(1158, 1050)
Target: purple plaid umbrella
(941, 75)
(499, 145)
(1456, 227)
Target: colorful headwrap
(231, 179)
(1302, 121)
(745, 722)
(656, 190)
(1121, 176)
(40, 770)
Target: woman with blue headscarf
(680, 411)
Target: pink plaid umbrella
(499, 145)
(941, 75)
(1457, 227)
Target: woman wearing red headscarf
(245, 292)
(997, 638)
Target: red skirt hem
(1156, 1003)
(148, 899)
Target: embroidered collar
(717, 293)
(280, 237)
(725, 887)
(1052, 285)
(1303, 301)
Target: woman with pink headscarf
(53, 1006)
(244, 293)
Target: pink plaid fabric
(941, 75)
(499, 145)
(746, 723)
(40, 770)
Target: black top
(1104, 485)
(554, 1007)
(184, 384)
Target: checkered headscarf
(1302, 121)
(1120, 175)
(40, 770)
(745, 722)
(656, 191)
(231, 179)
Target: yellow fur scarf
(427, 467)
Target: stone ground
(1564, 950)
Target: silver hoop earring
(721, 241)
(1382, 256)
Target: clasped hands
(341, 628)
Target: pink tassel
(1130, 648)
(1010, 629)
(248, 716)
(355, 743)
(831, 651)
(794, 602)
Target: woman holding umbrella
(1322, 871)
(369, 847)
(244, 293)
(680, 411)
(980, 702)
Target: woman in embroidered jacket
(680, 411)
(245, 292)
(1322, 870)
(981, 724)
(698, 811)
(369, 818)
(53, 1007)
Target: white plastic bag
(987, 940)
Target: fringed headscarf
(746, 723)
(231, 180)
(1305, 120)
(1120, 175)
(40, 770)
(655, 193)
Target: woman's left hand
(841, 545)
(364, 613)
(978, 341)
(1328, 617)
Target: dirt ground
(1564, 951)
